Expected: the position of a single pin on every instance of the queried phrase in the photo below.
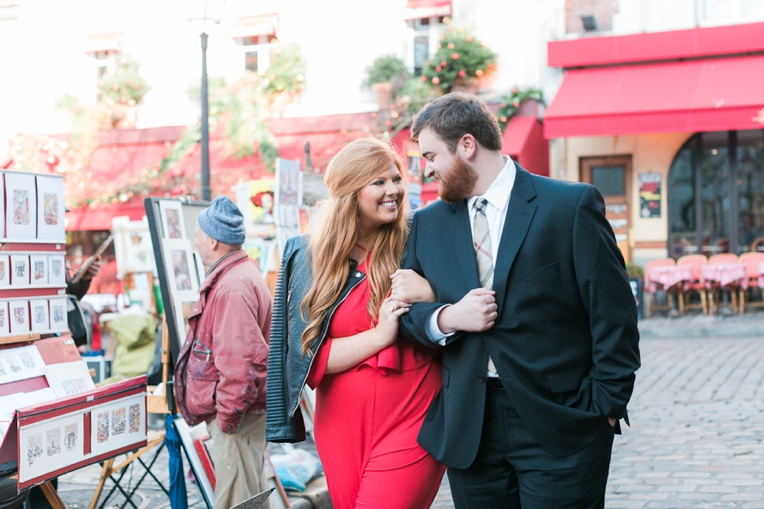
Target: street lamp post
(208, 12)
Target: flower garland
(511, 103)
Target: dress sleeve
(318, 369)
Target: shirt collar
(501, 188)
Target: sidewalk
(702, 326)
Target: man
(535, 315)
(221, 372)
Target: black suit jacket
(565, 343)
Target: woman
(335, 327)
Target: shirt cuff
(318, 369)
(433, 331)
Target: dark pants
(513, 471)
(37, 498)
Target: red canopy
(691, 96)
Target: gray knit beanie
(223, 221)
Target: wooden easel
(155, 404)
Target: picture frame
(58, 315)
(5, 271)
(20, 271)
(187, 436)
(19, 316)
(181, 270)
(5, 323)
(38, 270)
(39, 317)
(173, 224)
(21, 206)
(50, 208)
(56, 270)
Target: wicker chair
(696, 261)
(650, 305)
(752, 262)
(721, 259)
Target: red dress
(367, 418)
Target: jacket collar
(221, 267)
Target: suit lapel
(461, 234)
(519, 216)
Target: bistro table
(724, 276)
(667, 276)
(761, 275)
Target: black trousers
(513, 471)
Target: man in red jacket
(221, 371)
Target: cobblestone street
(696, 437)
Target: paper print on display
(114, 435)
(50, 208)
(181, 272)
(58, 317)
(19, 317)
(56, 270)
(5, 325)
(40, 319)
(71, 432)
(38, 265)
(60, 445)
(5, 270)
(173, 225)
(20, 270)
(34, 448)
(53, 441)
(21, 207)
(67, 378)
(20, 363)
(135, 419)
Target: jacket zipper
(310, 365)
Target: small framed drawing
(5, 270)
(5, 324)
(173, 226)
(38, 269)
(20, 270)
(56, 270)
(21, 206)
(184, 284)
(58, 315)
(50, 208)
(19, 316)
(40, 317)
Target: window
(256, 35)
(101, 47)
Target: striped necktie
(481, 240)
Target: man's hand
(612, 422)
(92, 270)
(475, 312)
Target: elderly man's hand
(93, 269)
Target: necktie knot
(480, 205)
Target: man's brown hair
(456, 114)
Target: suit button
(481, 378)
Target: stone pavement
(697, 424)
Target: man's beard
(459, 184)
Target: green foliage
(123, 85)
(460, 58)
(286, 71)
(634, 270)
(511, 102)
(407, 101)
(384, 69)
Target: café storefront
(670, 127)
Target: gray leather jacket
(288, 368)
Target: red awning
(417, 9)
(248, 29)
(691, 96)
(100, 216)
(523, 141)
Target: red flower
(438, 68)
(455, 56)
(462, 74)
(435, 80)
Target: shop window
(425, 36)
(609, 180)
(716, 193)
(256, 35)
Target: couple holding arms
(503, 346)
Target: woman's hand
(410, 287)
(386, 331)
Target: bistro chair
(651, 302)
(696, 261)
(716, 288)
(757, 246)
(752, 262)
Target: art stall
(180, 273)
(53, 419)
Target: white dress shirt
(496, 212)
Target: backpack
(80, 322)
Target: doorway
(612, 177)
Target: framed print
(21, 206)
(187, 436)
(50, 445)
(19, 316)
(172, 219)
(50, 208)
(20, 270)
(39, 317)
(184, 284)
(21, 363)
(5, 270)
(38, 269)
(5, 324)
(56, 270)
(58, 316)
(118, 424)
(200, 269)
(182, 312)
(67, 378)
